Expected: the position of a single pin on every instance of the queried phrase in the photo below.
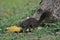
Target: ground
(15, 11)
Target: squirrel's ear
(28, 17)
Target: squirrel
(33, 23)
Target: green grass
(15, 11)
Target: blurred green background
(14, 11)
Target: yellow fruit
(14, 29)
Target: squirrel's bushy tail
(45, 15)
